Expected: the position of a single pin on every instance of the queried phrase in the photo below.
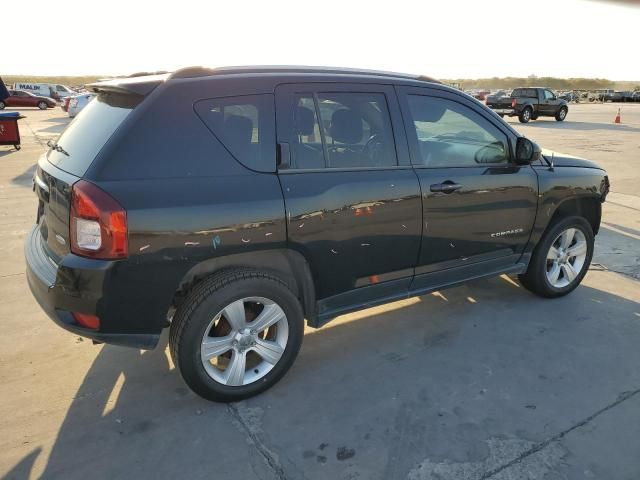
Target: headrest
(238, 128)
(434, 112)
(304, 121)
(346, 126)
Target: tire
(42, 105)
(541, 266)
(203, 314)
(561, 115)
(2, 105)
(525, 115)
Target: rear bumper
(77, 285)
(509, 112)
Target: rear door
(478, 206)
(352, 199)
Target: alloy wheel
(566, 258)
(244, 341)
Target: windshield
(83, 138)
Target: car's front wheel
(2, 105)
(561, 259)
(42, 105)
(236, 334)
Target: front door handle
(445, 187)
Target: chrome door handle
(445, 187)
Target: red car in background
(65, 103)
(20, 98)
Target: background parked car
(65, 104)
(481, 95)
(625, 96)
(20, 98)
(78, 102)
(569, 96)
(636, 96)
(530, 103)
(498, 94)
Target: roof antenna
(550, 162)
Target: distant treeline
(551, 82)
(69, 81)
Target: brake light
(513, 103)
(87, 321)
(98, 224)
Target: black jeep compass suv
(234, 203)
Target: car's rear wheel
(561, 259)
(236, 334)
(561, 115)
(525, 115)
(42, 105)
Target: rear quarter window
(525, 93)
(245, 125)
(83, 138)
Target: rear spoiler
(134, 85)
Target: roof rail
(194, 72)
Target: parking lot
(481, 381)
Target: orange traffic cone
(617, 119)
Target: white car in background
(78, 102)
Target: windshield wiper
(57, 148)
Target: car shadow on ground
(53, 129)
(6, 150)
(424, 359)
(25, 179)
(58, 120)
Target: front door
(478, 206)
(352, 199)
(20, 99)
(549, 103)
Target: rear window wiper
(57, 148)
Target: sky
(443, 39)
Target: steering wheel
(373, 147)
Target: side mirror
(527, 151)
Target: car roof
(192, 72)
(144, 84)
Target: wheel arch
(587, 207)
(288, 265)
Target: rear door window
(342, 130)
(89, 131)
(246, 127)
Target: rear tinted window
(89, 131)
(246, 127)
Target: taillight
(513, 103)
(98, 224)
(87, 321)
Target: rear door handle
(445, 187)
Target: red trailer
(9, 131)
